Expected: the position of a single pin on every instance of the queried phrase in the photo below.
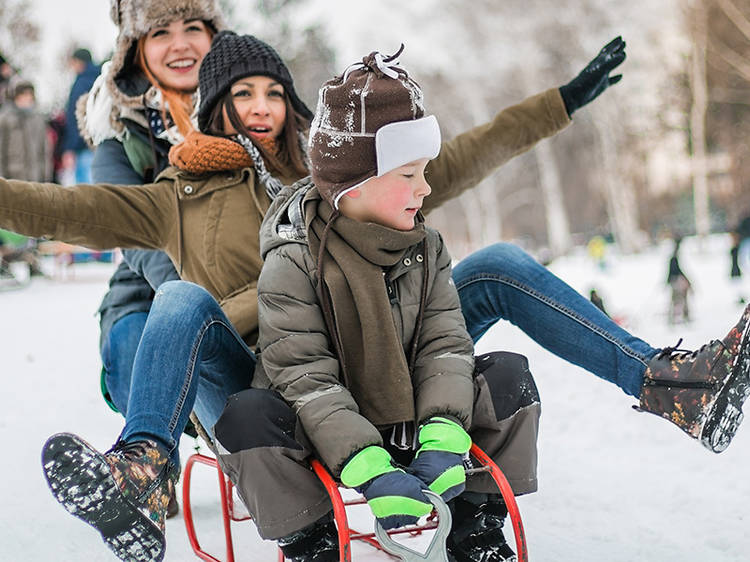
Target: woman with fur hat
(142, 104)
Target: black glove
(595, 78)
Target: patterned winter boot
(477, 531)
(318, 542)
(702, 391)
(123, 493)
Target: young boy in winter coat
(364, 349)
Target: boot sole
(726, 415)
(80, 479)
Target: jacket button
(420, 259)
(407, 262)
(188, 189)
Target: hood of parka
(284, 222)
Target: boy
(366, 361)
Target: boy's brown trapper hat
(369, 121)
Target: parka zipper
(678, 384)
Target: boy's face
(392, 199)
(24, 100)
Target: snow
(615, 485)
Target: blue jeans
(189, 357)
(118, 355)
(84, 158)
(503, 282)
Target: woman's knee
(183, 296)
(509, 380)
(271, 419)
(501, 260)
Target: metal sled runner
(346, 534)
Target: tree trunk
(698, 122)
(618, 190)
(558, 227)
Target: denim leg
(189, 357)
(118, 355)
(84, 158)
(502, 281)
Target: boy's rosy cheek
(401, 197)
(395, 199)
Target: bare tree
(19, 35)
(699, 90)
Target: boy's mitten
(595, 78)
(439, 460)
(395, 497)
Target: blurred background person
(24, 150)
(679, 310)
(6, 73)
(24, 155)
(77, 156)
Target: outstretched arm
(472, 156)
(96, 216)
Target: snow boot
(123, 493)
(477, 530)
(702, 391)
(318, 542)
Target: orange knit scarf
(201, 154)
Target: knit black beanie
(233, 57)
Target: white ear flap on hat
(402, 142)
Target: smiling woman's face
(260, 105)
(174, 53)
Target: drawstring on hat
(378, 64)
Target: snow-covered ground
(615, 485)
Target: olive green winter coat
(209, 225)
(299, 362)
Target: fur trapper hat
(134, 18)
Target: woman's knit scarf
(351, 257)
(202, 154)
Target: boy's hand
(439, 461)
(395, 497)
(595, 78)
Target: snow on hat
(368, 122)
(233, 57)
